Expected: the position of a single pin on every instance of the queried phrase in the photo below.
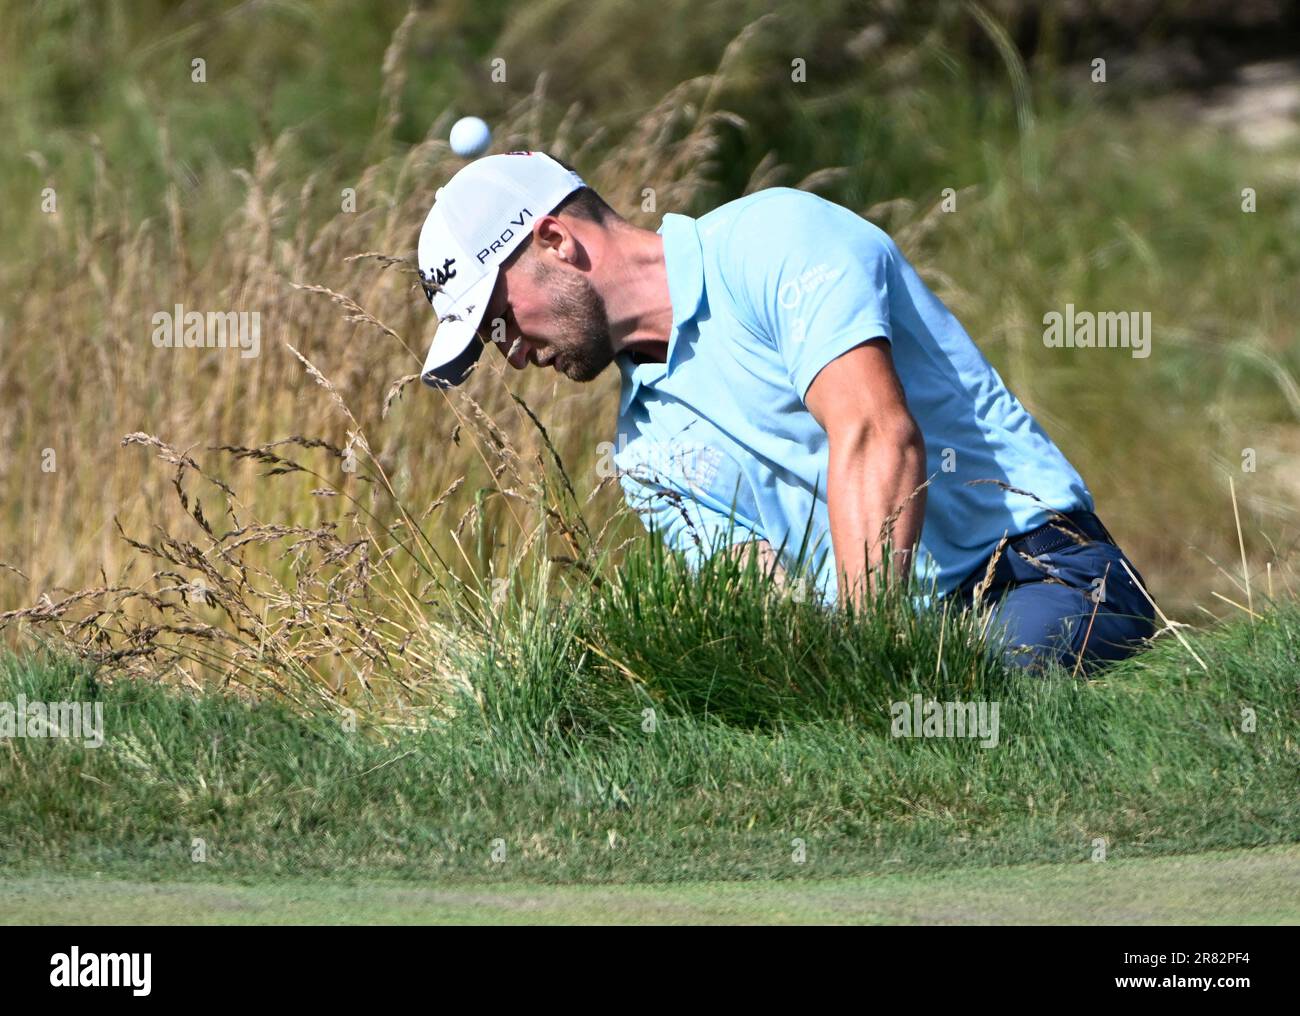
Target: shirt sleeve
(814, 276)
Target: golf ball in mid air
(470, 137)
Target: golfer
(789, 385)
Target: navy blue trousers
(1074, 602)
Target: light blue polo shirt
(716, 445)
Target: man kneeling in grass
(787, 377)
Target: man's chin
(581, 371)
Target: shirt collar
(684, 264)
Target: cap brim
(456, 346)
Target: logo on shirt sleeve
(791, 293)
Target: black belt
(1062, 530)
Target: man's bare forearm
(873, 477)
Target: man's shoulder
(766, 203)
(775, 220)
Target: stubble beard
(585, 347)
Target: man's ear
(550, 237)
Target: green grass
(1235, 887)
(770, 735)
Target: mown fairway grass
(1245, 886)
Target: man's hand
(877, 465)
(768, 562)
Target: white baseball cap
(477, 220)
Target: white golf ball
(470, 137)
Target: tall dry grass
(82, 371)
